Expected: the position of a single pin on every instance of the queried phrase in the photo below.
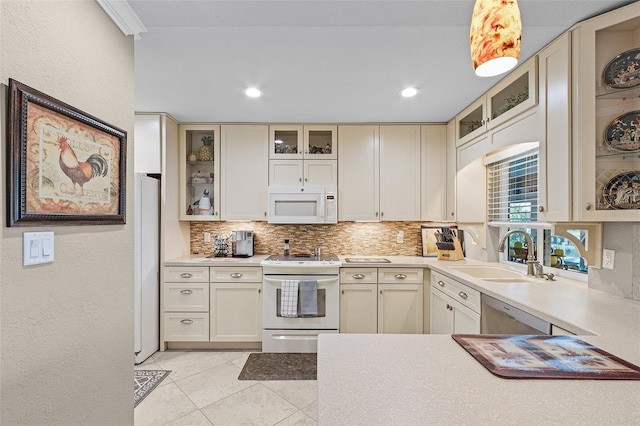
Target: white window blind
(513, 188)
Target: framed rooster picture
(65, 167)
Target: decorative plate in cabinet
(622, 192)
(623, 71)
(623, 133)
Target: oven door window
(321, 304)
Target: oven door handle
(277, 281)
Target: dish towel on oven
(309, 298)
(289, 298)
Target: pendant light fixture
(495, 36)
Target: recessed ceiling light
(252, 92)
(409, 92)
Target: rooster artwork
(80, 172)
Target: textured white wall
(67, 327)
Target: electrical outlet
(207, 237)
(400, 237)
(608, 258)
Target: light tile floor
(203, 389)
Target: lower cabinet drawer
(400, 275)
(186, 327)
(186, 297)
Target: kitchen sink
(489, 272)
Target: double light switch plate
(37, 248)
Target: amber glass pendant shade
(494, 38)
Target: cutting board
(545, 357)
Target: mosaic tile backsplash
(344, 238)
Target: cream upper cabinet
(555, 127)
(471, 193)
(244, 167)
(303, 155)
(358, 172)
(605, 100)
(434, 191)
(199, 159)
(399, 172)
(379, 172)
(511, 96)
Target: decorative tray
(545, 357)
(623, 71)
(623, 133)
(622, 192)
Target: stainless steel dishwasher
(501, 318)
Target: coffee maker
(242, 243)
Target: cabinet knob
(441, 283)
(265, 214)
(541, 209)
(587, 206)
(380, 291)
(376, 214)
(306, 180)
(358, 276)
(186, 291)
(259, 290)
(381, 214)
(186, 275)
(300, 179)
(342, 291)
(186, 321)
(400, 276)
(236, 275)
(463, 295)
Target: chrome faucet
(531, 264)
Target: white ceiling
(322, 60)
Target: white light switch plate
(37, 248)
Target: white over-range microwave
(303, 204)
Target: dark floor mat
(280, 366)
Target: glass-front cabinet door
(320, 142)
(471, 122)
(607, 117)
(514, 94)
(199, 172)
(285, 142)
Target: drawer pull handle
(186, 321)
(441, 283)
(186, 275)
(186, 291)
(236, 275)
(463, 295)
(358, 276)
(400, 276)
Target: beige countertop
(430, 379)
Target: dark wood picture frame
(65, 167)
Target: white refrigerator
(147, 266)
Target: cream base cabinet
(235, 308)
(454, 308)
(185, 305)
(383, 300)
(358, 308)
(236, 312)
(244, 166)
(400, 301)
